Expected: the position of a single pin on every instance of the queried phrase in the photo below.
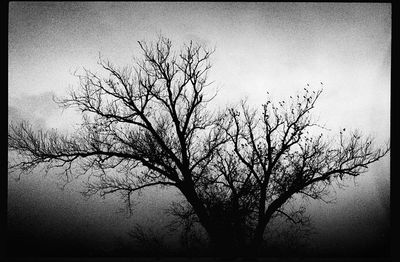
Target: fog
(260, 47)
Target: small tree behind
(148, 125)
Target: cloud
(37, 109)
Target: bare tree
(147, 239)
(280, 155)
(148, 125)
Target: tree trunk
(224, 243)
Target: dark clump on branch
(237, 169)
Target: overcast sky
(260, 47)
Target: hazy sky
(260, 47)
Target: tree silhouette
(148, 125)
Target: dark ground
(29, 243)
